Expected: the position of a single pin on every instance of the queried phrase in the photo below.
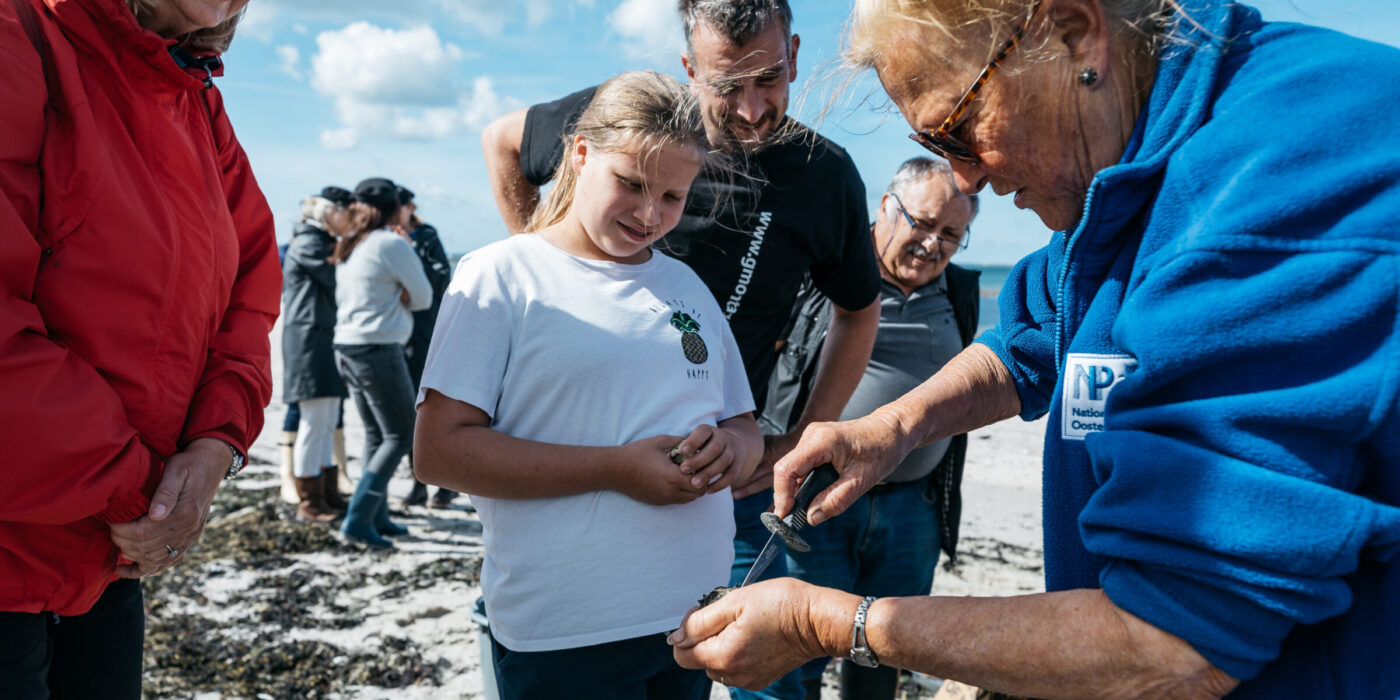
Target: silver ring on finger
(173, 552)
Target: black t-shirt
(802, 212)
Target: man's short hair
(916, 169)
(738, 20)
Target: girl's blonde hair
(213, 39)
(639, 111)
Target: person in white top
(378, 284)
(566, 370)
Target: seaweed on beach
(261, 534)
(242, 643)
(302, 599)
(188, 654)
(465, 569)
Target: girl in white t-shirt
(566, 369)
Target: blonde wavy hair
(639, 111)
(213, 39)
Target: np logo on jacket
(1088, 379)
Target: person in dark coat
(310, 378)
(435, 264)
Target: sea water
(993, 277)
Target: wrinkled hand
(178, 510)
(864, 451)
(755, 634)
(774, 447)
(652, 477)
(713, 456)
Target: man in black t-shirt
(802, 212)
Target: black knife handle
(818, 481)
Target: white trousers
(315, 435)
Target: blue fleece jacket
(1217, 345)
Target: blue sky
(333, 91)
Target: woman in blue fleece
(1214, 334)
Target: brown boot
(313, 508)
(330, 483)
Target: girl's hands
(651, 477)
(713, 457)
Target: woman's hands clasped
(179, 509)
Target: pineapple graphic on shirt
(691, 342)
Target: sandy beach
(266, 607)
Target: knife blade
(820, 478)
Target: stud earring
(1088, 76)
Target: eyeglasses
(939, 141)
(959, 243)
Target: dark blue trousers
(632, 669)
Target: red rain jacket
(138, 285)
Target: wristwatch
(238, 460)
(860, 650)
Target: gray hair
(875, 25)
(917, 169)
(315, 209)
(215, 38)
(738, 20)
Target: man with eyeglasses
(887, 543)
(797, 212)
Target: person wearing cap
(379, 281)
(424, 239)
(310, 379)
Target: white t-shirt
(571, 351)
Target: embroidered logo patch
(1087, 381)
(691, 342)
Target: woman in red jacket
(138, 285)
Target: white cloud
(258, 22)
(398, 84)
(488, 17)
(339, 139)
(651, 29)
(300, 28)
(289, 61)
(372, 64)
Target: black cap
(405, 195)
(378, 192)
(337, 195)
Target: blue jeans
(632, 669)
(749, 537)
(885, 544)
